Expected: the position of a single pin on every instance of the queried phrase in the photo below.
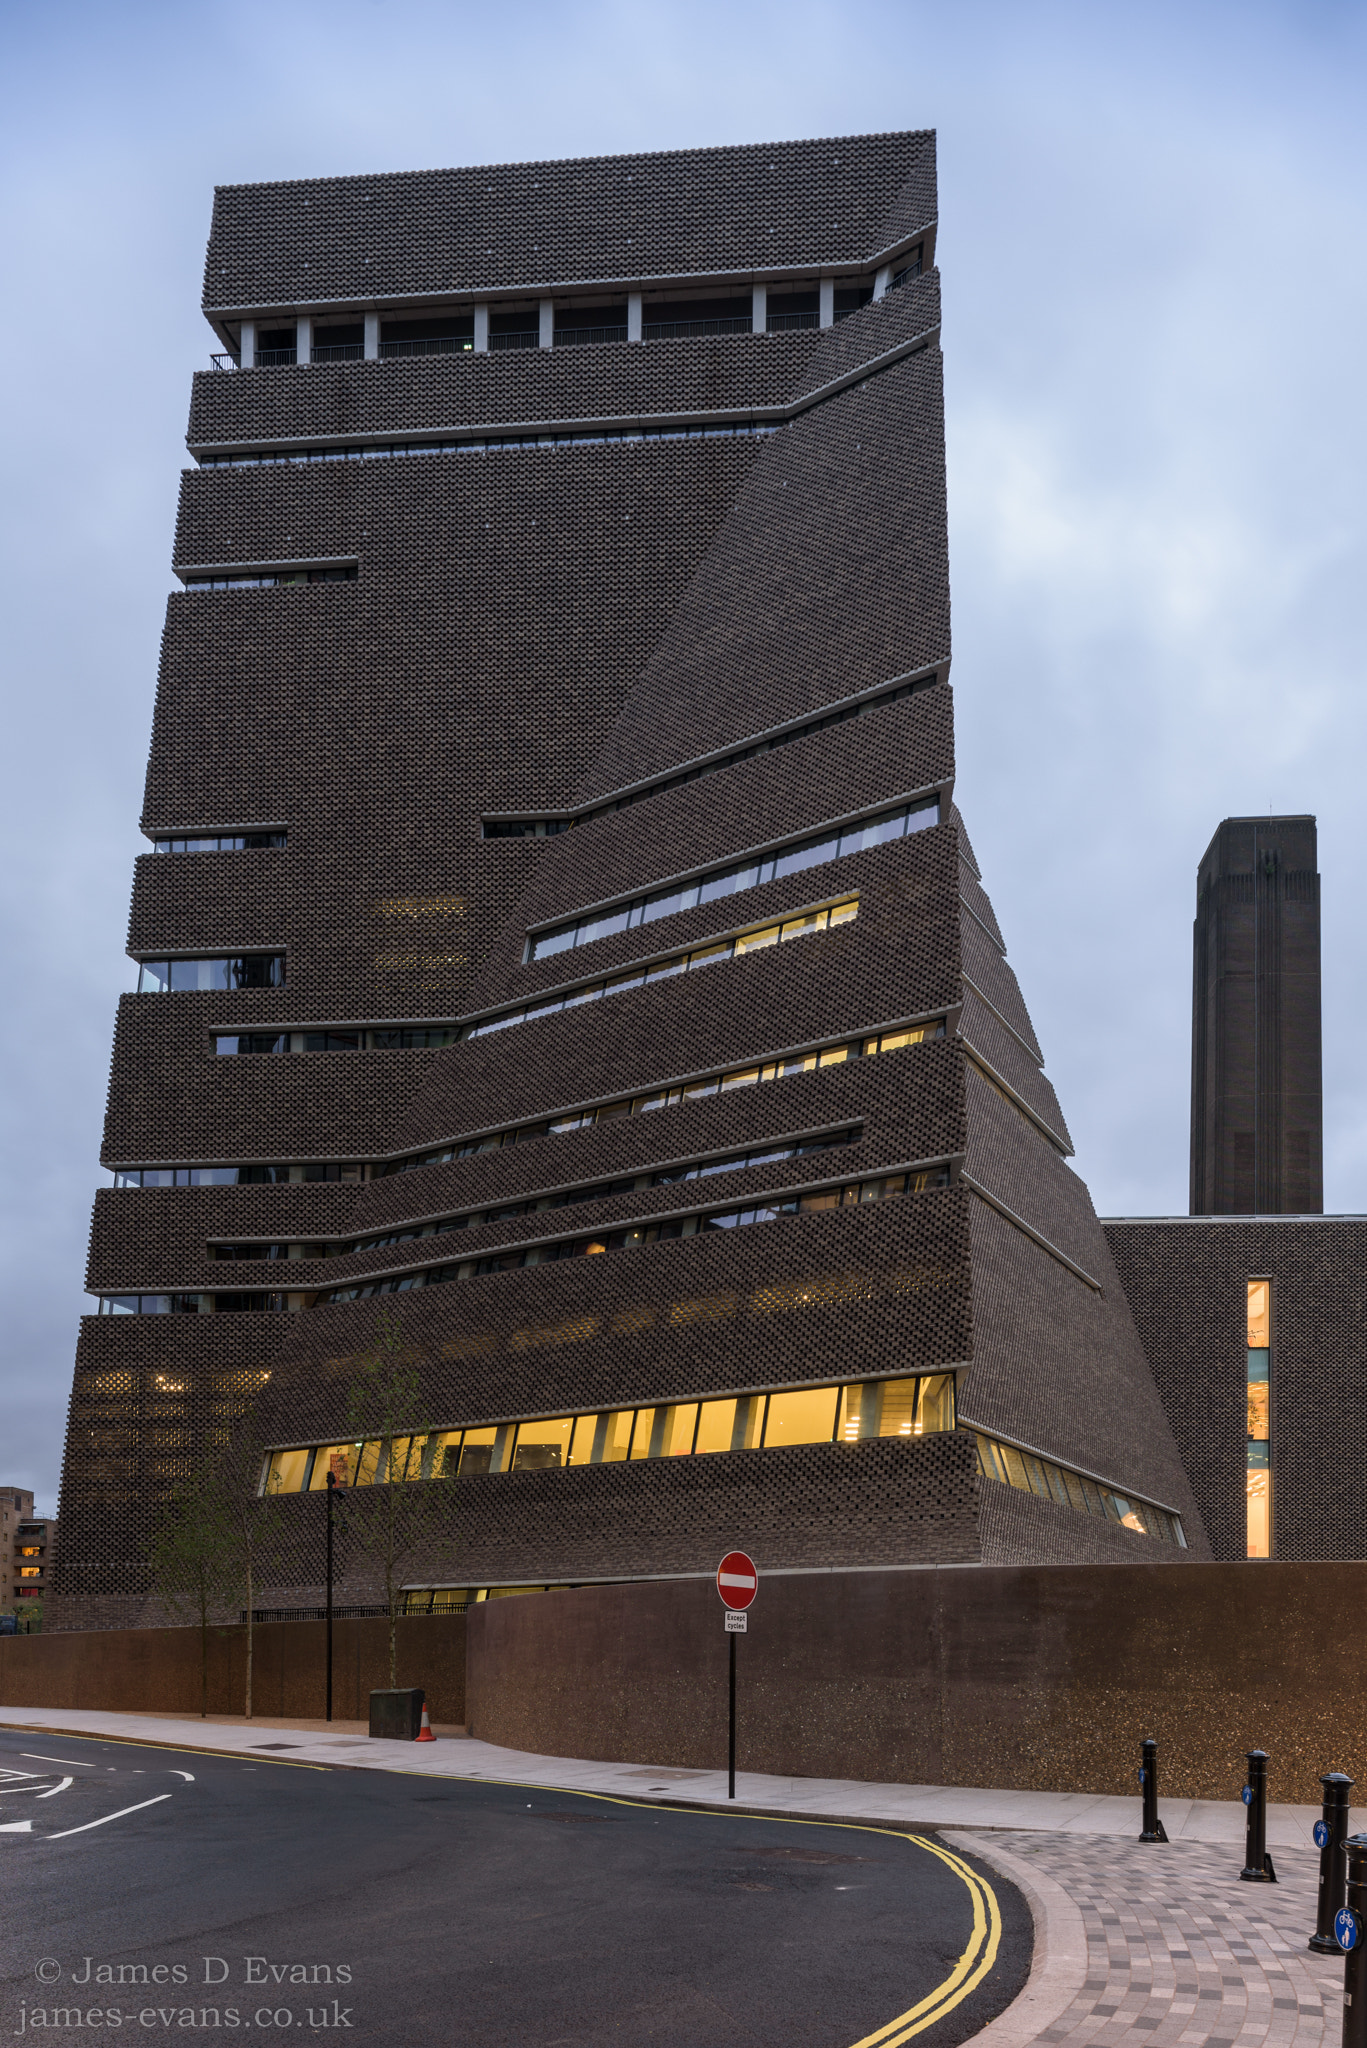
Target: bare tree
(398, 1518)
(252, 1521)
(191, 1559)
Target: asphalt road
(157, 1892)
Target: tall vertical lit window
(1259, 1419)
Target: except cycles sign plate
(737, 1580)
(1321, 1834)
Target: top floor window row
(728, 881)
(219, 842)
(559, 323)
(545, 827)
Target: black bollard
(1330, 1832)
(1348, 1927)
(1154, 1830)
(1257, 1863)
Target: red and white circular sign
(737, 1580)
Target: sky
(1151, 241)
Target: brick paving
(1179, 1950)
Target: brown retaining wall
(157, 1670)
(1029, 1677)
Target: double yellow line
(967, 1974)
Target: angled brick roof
(510, 227)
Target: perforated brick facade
(1186, 1281)
(536, 628)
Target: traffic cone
(424, 1733)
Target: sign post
(737, 1584)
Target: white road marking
(188, 1776)
(57, 1788)
(123, 1810)
(67, 1763)
(16, 1827)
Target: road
(156, 1891)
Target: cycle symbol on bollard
(1347, 1928)
(1247, 1795)
(1321, 1835)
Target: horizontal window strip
(850, 1412)
(545, 826)
(491, 444)
(717, 883)
(710, 954)
(223, 972)
(219, 842)
(668, 1174)
(701, 1089)
(769, 1209)
(364, 1038)
(272, 579)
(1030, 1473)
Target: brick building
(28, 1546)
(565, 612)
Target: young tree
(191, 1559)
(252, 1523)
(397, 1510)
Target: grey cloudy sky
(1152, 243)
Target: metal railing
(339, 352)
(224, 362)
(526, 337)
(571, 337)
(668, 330)
(429, 345)
(779, 323)
(268, 358)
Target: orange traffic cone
(424, 1733)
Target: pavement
(1163, 1940)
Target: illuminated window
(1258, 1445)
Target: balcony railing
(528, 337)
(429, 345)
(224, 362)
(669, 330)
(573, 337)
(339, 352)
(268, 358)
(779, 323)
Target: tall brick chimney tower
(1257, 1105)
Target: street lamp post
(331, 1484)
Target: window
(362, 1038)
(1259, 1426)
(633, 1237)
(747, 1422)
(238, 970)
(270, 579)
(707, 955)
(1049, 1481)
(221, 842)
(529, 443)
(740, 875)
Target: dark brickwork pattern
(1186, 1284)
(527, 631)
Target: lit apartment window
(1259, 1445)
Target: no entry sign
(737, 1580)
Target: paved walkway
(1163, 1941)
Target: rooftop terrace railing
(525, 337)
(780, 323)
(224, 362)
(428, 345)
(670, 330)
(271, 358)
(339, 352)
(573, 337)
